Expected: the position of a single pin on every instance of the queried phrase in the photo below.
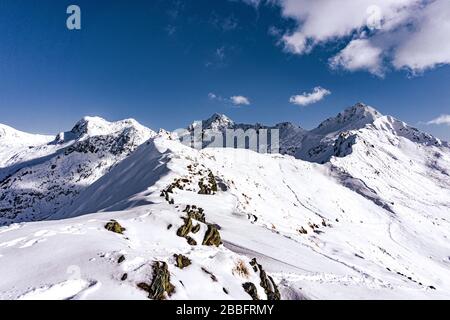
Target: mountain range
(357, 208)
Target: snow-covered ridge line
(327, 140)
(12, 141)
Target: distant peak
(217, 121)
(6, 130)
(219, 117)
(13, 136)
(87, 124)
(363, 109)
(351, 118)
(97, 126)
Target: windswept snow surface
(367, 218)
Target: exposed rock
(209, 187)
(191, 241)
(144, 286)
(121, 259)
(196, 228)
(267, 282)
(250, 288)
(186, 228)
(182, 261)
(160, 287)
(212, 237)
(115, 227)
(177, 184)
(195, 213)
(212, 182)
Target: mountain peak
(89, 124)
(355, 117)
(364, 110)
(217, 121)
(97, 126)
(219, 117)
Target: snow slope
(344, 246)
(366, 218)
(12, 141)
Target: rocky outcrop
(186, 229)
(270, 288)
(250, 288)
(160, 288)
(115, 227)
(209, 185)
(212, 237)
(196, 213)
(182, 261)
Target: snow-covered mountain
(356, 208)
(12, 141)
(38, 180)
(290, 135)
(333, 137)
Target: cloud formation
(240, 100)
(308, 98)
(212, 96)
(234, 100)
(401, 34)
(443, 119)
(359, 54)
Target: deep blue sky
(156, 61)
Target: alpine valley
(357, 208)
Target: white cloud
(234, 100)
(360, 54)
(412, 34)
(306, 98)
(240, 101)
(327, 20)
(429, 45)
(444, 119)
